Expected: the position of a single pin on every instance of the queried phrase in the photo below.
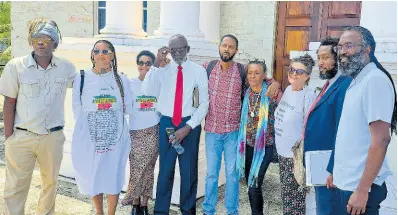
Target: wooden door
(302, 22)
(336, 16)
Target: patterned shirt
(224, 99)
(252, 122)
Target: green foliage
(5, 31)
(5, 13)
(5, 56)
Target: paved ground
(70, 202)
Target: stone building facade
(255, 23)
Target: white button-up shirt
(161, 83)
(40, 92)
(369, 98)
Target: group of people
(247, 118)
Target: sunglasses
(297, 71)
(104, 52)
(44, 41)
(142, 63)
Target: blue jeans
(323, 198)
(377, 195)
(215, 145)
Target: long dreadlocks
(368, 40)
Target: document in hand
(316, 163)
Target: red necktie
(314, 104)
(177, 114)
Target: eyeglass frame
(142, 63)
(346, 47)
(108, 52)
(181, 49)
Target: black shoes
(136, 210)
(144, 210)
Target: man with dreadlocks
(369, 112)
(33, 125)
(323, 120)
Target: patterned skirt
(143, 155)
(293, 198)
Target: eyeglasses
(142, 63)
(174, 50)
(297, 71)
(345, 47)
(104, 52)
(44, 41)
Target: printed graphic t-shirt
(144, 108)
(289, 118)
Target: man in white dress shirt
(173, 83)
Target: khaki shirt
(40, 92)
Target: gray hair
(306, 60)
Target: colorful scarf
(259, 147)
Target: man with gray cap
(33, 126)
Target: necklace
(252, 109)
(103, 74)
(102, 70)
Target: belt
(50, 130)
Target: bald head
(178, 40)
(178, 45)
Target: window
(144, 19)
(102, 15)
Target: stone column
(123, 18)
(209, 19)
(180, 17)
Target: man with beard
(323, 118)
(173, 84)
(360, 166)
(227, 84)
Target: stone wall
(75, 19)
(253, 23)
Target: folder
(316, 163)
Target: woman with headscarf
(289, 124)
(101, 142)
(256, 134)
(144, 132)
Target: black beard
(329, 74)
(354, 66)
(226, 59)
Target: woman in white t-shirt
(144, 132)
(100, 146)
(289, 120)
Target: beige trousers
(22, 149)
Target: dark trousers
(188, 163)
(323, 198)
(255, 193)
(376, 196)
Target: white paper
(316, 163)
